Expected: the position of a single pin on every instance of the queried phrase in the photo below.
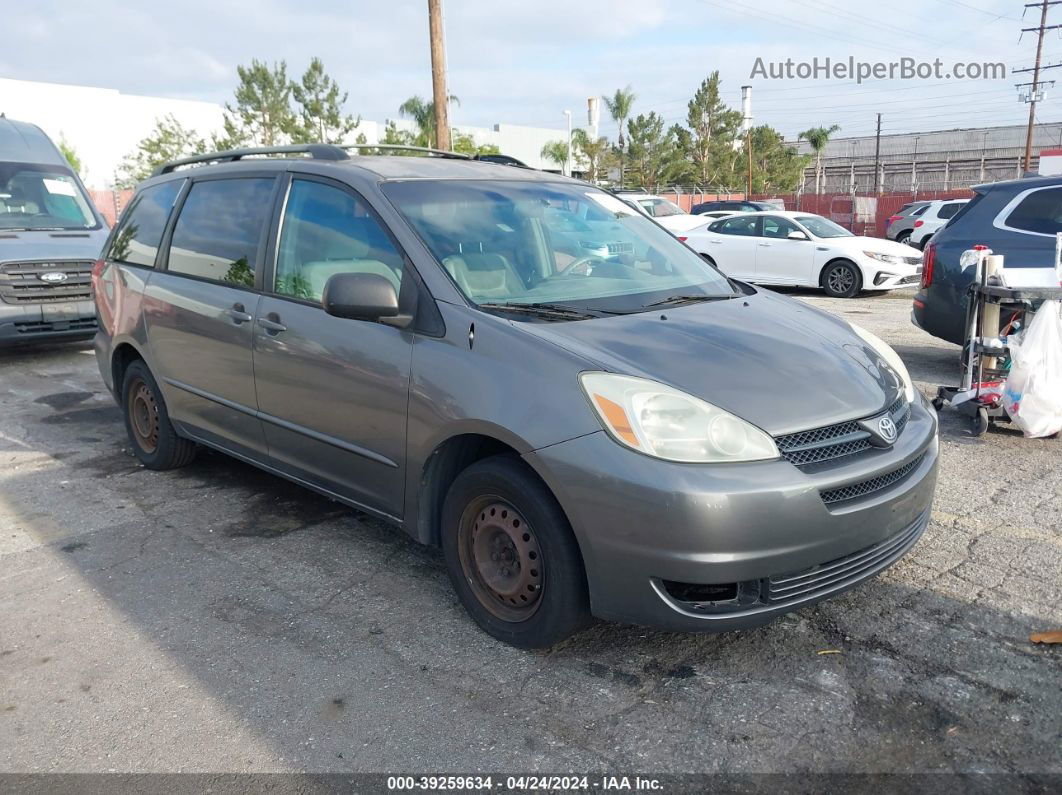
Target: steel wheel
(143, 416)
(501, 559)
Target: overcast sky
(524, 62)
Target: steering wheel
(584, 264)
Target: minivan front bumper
(721, 547)
(29, 322)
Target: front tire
(842, 279)
(152, 435)
(511, 555)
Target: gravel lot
(220, 619)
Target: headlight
(890, 356)
(665, 423)
(892, 259)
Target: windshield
(525, 242)
(42, 197)
(822, 227)
(661, 208)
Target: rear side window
(947, 211)
(327, 231)
(745, 226)
(920, 211)
(137, 238)
(1040, 212)
(219, 230)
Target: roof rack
(406, 148)
(316, 151)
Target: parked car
(49, 236)
(933, 217)
(629, 435)
(733, 206)
(666, 213)
(801, 249)
(899, 225)
(1018, 219)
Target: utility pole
(1035, 91)
(877, 160)
(440, 94)
(748, 179)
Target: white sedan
(666, 213)
(801, 249)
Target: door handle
(271, 323)
(765, 245)
(238, 314)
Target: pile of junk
(1012, 358)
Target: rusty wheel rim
(143, 416)
(501, 558)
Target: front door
(780, 260)
(200, 308)
(332, 392)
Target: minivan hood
(774, 361)
(41, 245)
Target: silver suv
(607, 428)
(50, 234)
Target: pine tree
(169, 140)
(321, 116)
(262, 114)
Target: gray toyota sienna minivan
(593, 424)
(50, 234)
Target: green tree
(776, 167)
(321, 117)
(817, 138)
(262, 113)
(595, 155)
(619, 107)
(169, 140)
(70, 153)
(423, 115)
(466, 145)
(653, 151)
(556, 152)
(713, 129)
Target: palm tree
(619, 107)
(817, 138)
(594, 153)
(423, 115)
(557, 151)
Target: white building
(104, 125)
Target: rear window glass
(1040, 211)
(137, 238)
(220, 228)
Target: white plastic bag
(1032, 395)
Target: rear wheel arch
(122, 356)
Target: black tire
(938, 404)
(545, 570)
(904, 237)
(152, 435)
(842, 279)
(979, 422)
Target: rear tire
(842, 279)
(152, 435)
(904, 237)
(511, 555)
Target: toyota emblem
(52, 277)
(887, 429)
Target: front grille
(855, 490)
(836, 441)
(20, 282)
(859, 565)
(912, 260)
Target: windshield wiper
(687, 299)
(542, 310)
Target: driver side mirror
(797, 235)
(363, 296)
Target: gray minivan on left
(50, 235)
